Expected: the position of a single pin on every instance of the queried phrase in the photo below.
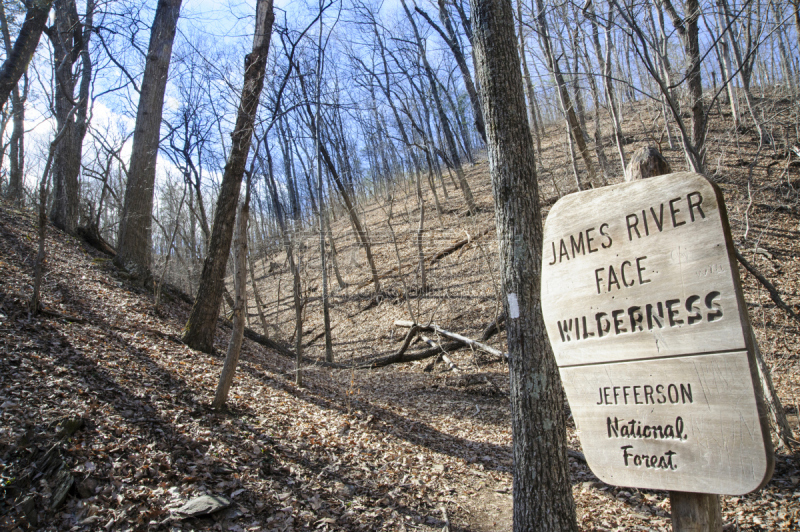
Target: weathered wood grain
(695, 512)
(680, 262)
(646, 317)
(707, 400)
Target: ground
(102, 381)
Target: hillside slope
(101, 385)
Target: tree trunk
(689, 31)
(239, 309)
(70, 40)
(796, 6)
(199, 331)
(423, 283)
(259, 305)
(563, 93)
(451, 40)
(445, 123)
(605, 66)
(533, 124)
(542, 491)
(134, 244)
(20, 55)
(326, 315)
(16, 156)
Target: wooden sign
(644, 310)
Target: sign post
(644, 310)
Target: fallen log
(450, 364)
(458, 245)
(493, 328)
(411, 357)
(453, 336)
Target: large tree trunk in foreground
(199, 331)
(134, 244)
(17, 59)
(542, 492)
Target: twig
(773, 292)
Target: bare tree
(134, 243)
(70, 40)
(199, 331)
(455, 161)
(16, 155)
(18, 56)
(451, 39)
(573, 122)
(693, 140)
(542, 491)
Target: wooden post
(695, 512)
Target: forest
(257, 257)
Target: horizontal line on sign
(606, 362)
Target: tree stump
(646, 162)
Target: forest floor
(100, 389)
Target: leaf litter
(392, 449)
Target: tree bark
(20, 55)
(199, 331)
(239, 309)
(134, 244)
(16, 155)
(70, 40)
(542, 493)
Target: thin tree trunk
(199, 331)
(38, 270)
(240, 307)
(563, 93)
(451, 40)
(423, 285)
(334, 260)
(445, 123)
(689, 31)
(259, 305)
(170, 245)
(351, 209)
(533, 126)
(608, 83)
(326, 315)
